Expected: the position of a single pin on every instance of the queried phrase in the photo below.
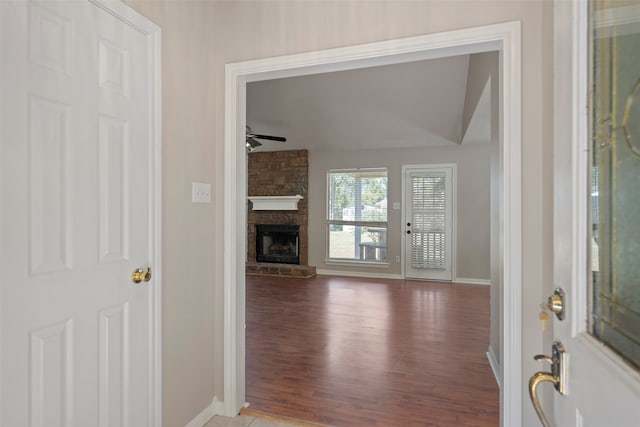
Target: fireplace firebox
(278, 243)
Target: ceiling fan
(251, 141)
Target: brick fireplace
(278, 173)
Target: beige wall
(483, 67)
(472, 202)
(199, 37)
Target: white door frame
(453, 208)
(504, 38)
(153, 34)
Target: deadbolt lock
(556, 303)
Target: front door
(428, 219)
(597, 212)
(77, 185)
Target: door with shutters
(79, 113)
(428, 192)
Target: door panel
(76, 192)
(591, 246)
(428, 211)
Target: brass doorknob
(139, 275)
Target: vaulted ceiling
(416, 104)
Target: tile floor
(244, 421)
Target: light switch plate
(200, 192)
(396, 205)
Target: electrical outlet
(200, 192)
(396, 206)
(397, 260)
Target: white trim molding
(504, 38)
(358, 274)
(358, 264)
(275, 203)
(216, 407)
(495, 365)
(466, 281)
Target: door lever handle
(557, 376)
(543, 357)
(538, 378)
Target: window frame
(356, 223)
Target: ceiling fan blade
(269, 137)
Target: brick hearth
(289, 270)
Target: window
(615, 173)
(357, 215)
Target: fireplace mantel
(275, 203)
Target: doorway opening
(504, 38)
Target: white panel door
(77, 342)
(428, 214)
(596, 225)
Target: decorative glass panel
(615, 177)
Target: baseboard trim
(466, 281)
(358, 274)
(495, 366)
(216, 407)
(461, 280)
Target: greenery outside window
(357, 215)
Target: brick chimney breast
(278, 173)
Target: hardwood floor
(370, 352)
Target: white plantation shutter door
(428, 243)
(429, 223)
